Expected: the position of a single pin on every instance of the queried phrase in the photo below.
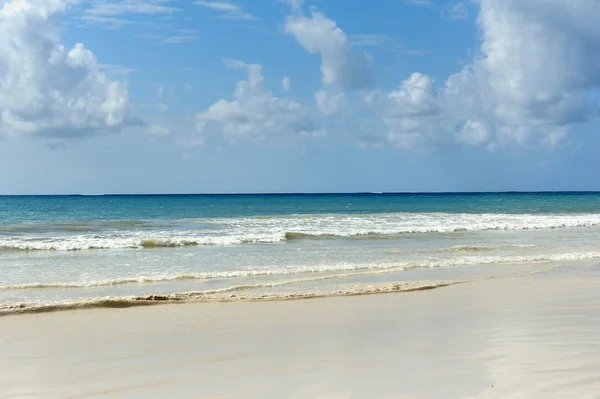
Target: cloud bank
(255, 113)
(46, 89)
(534, 77)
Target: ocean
(64, 252)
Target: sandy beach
(527, 337)
(299, 199)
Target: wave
(508, 260)
(269, 230)
(227, 294)
(303, 236)
(468, 248)
(372, 268)
(80, 243)
(336, 271)
(166, 243)
(460, 248)
(371, 235)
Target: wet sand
(529, 337)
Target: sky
(180, 96)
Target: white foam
(340, 268)
(235, 231)
(487, 260)
(127, 241)
(226, 294)
(334, 271)
(217, 295)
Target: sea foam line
(235, 231)
(132, 301)
(459, 248)
(355, 269)
(226, 295)
(373, 268)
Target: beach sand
(528, 337)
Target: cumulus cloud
(412, 112)
(330, 103)
(45, 88)
(254, 113)
(341, 66)
(537, 67)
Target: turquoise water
(73, 250)
(16, 209)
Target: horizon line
(310, 193)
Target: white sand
(530, 337)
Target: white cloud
(230, 10)
(214, 5)
(254, 113)
(116, 70)
(110, 13)
(330, 103)
(157, 130)
(341, 66)
(473, 132)
(422, 3)
(414, 97)
(179, 39)
(372, 40)
(286, 82)
(238, 15)
(296, 5)
(45, 88)
(106, 22)
(414, 51)
(457, 10)
(412, 113)
(538, 65)
(121, 7)
(172, 39)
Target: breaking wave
(273, 229)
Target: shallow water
(76, 249)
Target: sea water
(120, 250)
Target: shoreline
(202, 297)
(521, 337)
(242, 294)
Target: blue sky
(133, 96)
